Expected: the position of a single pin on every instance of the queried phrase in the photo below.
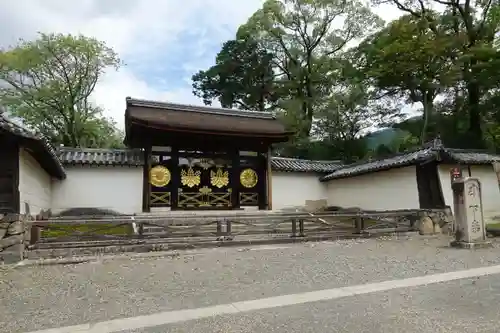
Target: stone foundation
(14, 237)
(435, 221)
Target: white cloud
(138, 30)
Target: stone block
(8, 242)
(16, 228)
(315, 205)
(13, 254)
(13, 231)
(9, 218)
(426, 226)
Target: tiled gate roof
(133, 157)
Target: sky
(161, 42)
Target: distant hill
(382, 137)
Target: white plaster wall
(384, 190)
(116, 188)
(444, 178)
(292, 189)
(34, 184)
(489, 187)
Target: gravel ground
(465, 306)
(51, 296)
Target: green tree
(348, 113)
(49, 82)
(474, 25)
(242, 77)
(408, 60)
(307, 38)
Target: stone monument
(470, 231)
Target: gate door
(205, 183)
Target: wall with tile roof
(489, 187)
(133, 157)
(294, 180)
(35, 185)
(111, 188)
(41, 149)
(396, 188)
(385, 190)
(292, 189)
(421, 155)
(119, 188)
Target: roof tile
(133, 157)
(471, 157)
(91, 156)
(428, 153)
(42, 143)
(381, 164)
(299, 165)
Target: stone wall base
(436, 222)
(14, 237)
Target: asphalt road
(43, 297)
(470, 305)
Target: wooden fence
(220, 227)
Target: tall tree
(306, 38)
(48, 83)
(347, 114)
(408, 60)
(242, 77)
(475, 24)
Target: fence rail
(216, 227)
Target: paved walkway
(387, 285)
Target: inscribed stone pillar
(470, 228)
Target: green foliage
(472, 28)
(307, 38)
(49, 82)
(342, 150)
(332, 72)
(406, 59)
(242, 77)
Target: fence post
(301, 228)
(357, 224)
(294, 228)
(141, 229)
(219, 227)
(35, 234)
(228, 227)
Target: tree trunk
(475, 130)
(428, 106)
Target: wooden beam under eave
(146, 189)
(269, 181)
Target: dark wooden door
(205, 182)
(430, 193)
(9, 175)
(160, 180)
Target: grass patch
(371, 222)
(97, 229)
